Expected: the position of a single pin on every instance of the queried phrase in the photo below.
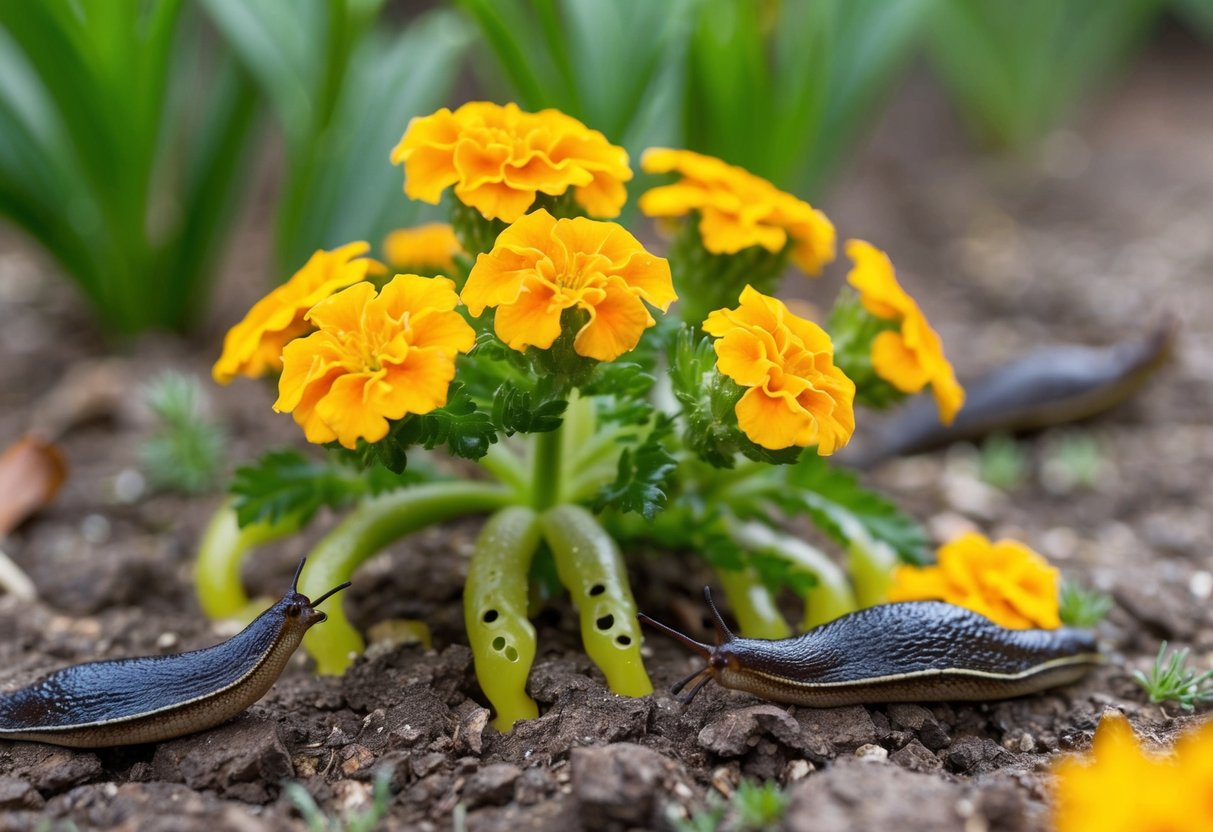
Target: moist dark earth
(1089, 239)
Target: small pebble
(95, 528)
(129, 486)
(167, 640)
(1200, 584)
(872, 753)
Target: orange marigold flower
(373, 358)
(431, 247)
(541, 266)
(253, 347)
(911, 357)
(797, 395)
(1119, 787)
(737, 209)
(1005, 581)
(498, 158)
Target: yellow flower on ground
(1005, 581)
(429, 248)
(796, 396)
(373, 358)
(499, 157)
(541, 266)
(1119, 787)
(253, 347)
(737, 209)
(911, 357)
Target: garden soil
(1091, 240)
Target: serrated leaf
(837, 503)
(642, 481)
(284, 483)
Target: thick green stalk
(871, 565)
(495, 599)
(546, 473)
(374, 524)
(223, 549)
(830, 597)
(591, 568)
(753, 606)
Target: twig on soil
(14, 581)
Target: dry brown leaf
(31, 472)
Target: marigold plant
(428, 249)
(1121, 787)
(500, 158)
(795, 395)
(254, 346)
(1003, 580)
(904, 351)
(608, 394)
(540, 267)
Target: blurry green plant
(122, 149)
(1199, 13)
(752, 807)
(1082, 606)
(1015, 69)
(1002, 462)
(782, 89)
(340, 89)
(186, 453)
(357, 820)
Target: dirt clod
(17, 794)
(493, 784)
(244, 759)
(623, 785)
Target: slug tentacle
(905, 652)
(151, 698)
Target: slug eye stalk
(700, 677)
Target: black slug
(1052, 386)
(153, 698)
(916, 651)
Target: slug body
(917, 651)
(155, 698)
(1052, 386)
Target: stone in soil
(625, 785)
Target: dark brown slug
(1051, 386)
(917, 651)
(154, 698)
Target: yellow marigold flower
(797, 395)
(498, 158)
(911, 357)
(373, 358)
(253, 347)
(541, 266)
(1119, 787)
(1005, 581)
(430, 248)
(737, 209)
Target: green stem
(505, 465)
(546, 473)
(830, 597)
(871, 563)
(753, 607)
(374, 524)
(223, 549)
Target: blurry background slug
(1052, 386)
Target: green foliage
(838, 504)
(285, 483)
(784, 89)
(125, 138)
(644, 474)
(1002, 462)
(342, 93)
(752, 807)
(1082, 606)
(1015, 69)
(360, 820)
(853, 328)
(186, 453)
(1073, 461)
(1172, 680)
